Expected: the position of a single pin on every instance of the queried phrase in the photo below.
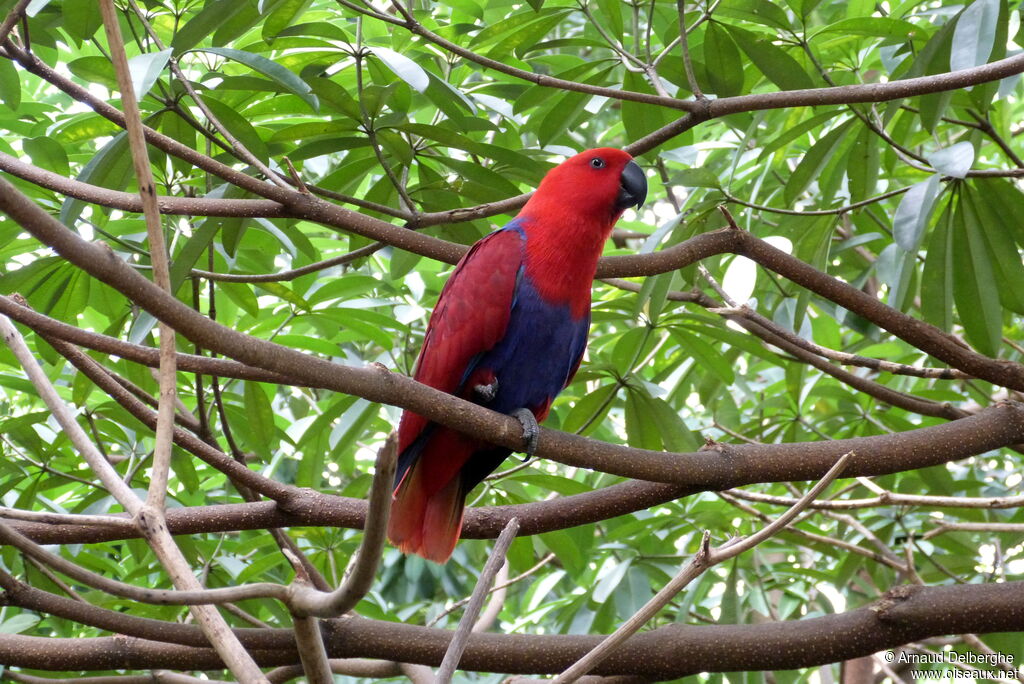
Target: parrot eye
(597, 163)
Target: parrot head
(600, 183)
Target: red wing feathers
(470, 318)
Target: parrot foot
(531, 429)
(486, 392)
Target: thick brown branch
(904, 614)
(722, 466)
(379, 385)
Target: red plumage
(513, 317)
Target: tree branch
(902, 615)
(705, 558)
(494, 562)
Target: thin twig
(294, 273)
(691, 78)
(887, 498)
(828, 542)
(64, 518)
(498, 593)
(705, 558)
(817, 212)
(498, 585)
(944, 527)
(153, 527)
(845, 358)
(458, 643)
(156, 498)
(12, 18)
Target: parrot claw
(487, 392)
(531, 429)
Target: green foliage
(357, 103)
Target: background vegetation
(896, 319)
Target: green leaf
(563, 112)
(589, 411)
(609, 581)
(639, 118)
(774, 62)
(696, 177)
(94, 69)
(272, 70)
(337, 98)
(1006, 262)
(911, 217)
(47, 153)
(34, 7)
(793, 132)
(239, 127)
(725, 68)
(184, 470)
(705, 354)
(189, 255)
(976, 291)
(111, 167)
(145, 69)
(641, 428)
(896, 268)
(675, 436)
(812, 164)
(564, 546)
(285, 293)
(174, 126)
(16, 624)
(757, 11)
(82, 18)
(955, 160)
(211, 17)
(934, 59)
(862, 169)
(611, 15)
(260, 419)
(10, 84)
(403, 67)
(938, 273)
(284, 15)
(974, 35)
(877, 27)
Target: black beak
(632, 187)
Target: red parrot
(508, 333)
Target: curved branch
(377, 384)
(721, 466)
(409, 23)
(903, 614)
(849, 94)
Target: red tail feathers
(426, 513)
(423, 522)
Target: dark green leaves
(722, 57)
(812, 164)
(774, 62)
(976, 291)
